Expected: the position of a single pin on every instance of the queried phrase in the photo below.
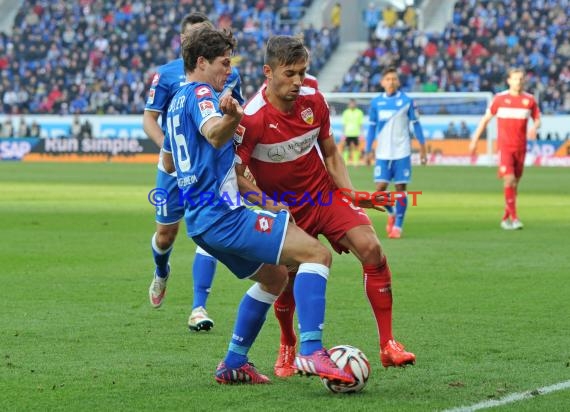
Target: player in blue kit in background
(390, 116)
(166, 82)
(202, 128)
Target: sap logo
(14, 149)
(537, 149)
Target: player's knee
(381, 186)
(276, 279)
(321, 255)
(165, 236)
(400, 187)
(370, 251)
(510, 181)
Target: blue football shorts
(245, 239)
(397, 170)
(172, 210)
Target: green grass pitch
(487, 312)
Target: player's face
(516, 82)
(219, 70)
(390, 83)
(285, 81)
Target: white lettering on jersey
(287, 151)
(176, 104)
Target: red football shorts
(511, 162)
(332, 221)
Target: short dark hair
(388, 70)
(193, 18)
(208, 43)
(285, 50)
(513, 70)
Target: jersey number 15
(182, 156)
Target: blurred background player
(513, 108)
(281, 127)
(166, 82)
(352, 119)
(250, 243)
(390, 116)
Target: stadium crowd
(474, 51)
(98, 56)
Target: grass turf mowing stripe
(514, 397)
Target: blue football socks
(401, 206)
(160, 258)
(309, 290)
(251, 315)
(203, 271)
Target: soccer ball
(353, 361)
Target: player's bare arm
(479, 131)
(219, 130)
(154, 132)
(533, 130)
(152, 128)
(253, 193)
(423, 154)
(338, 172)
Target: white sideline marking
(514, 397)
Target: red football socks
(511, 202)
(284, 308)
(378, 286)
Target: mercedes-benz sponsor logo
(276, 153)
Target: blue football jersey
(206, 175)
(169, 78)
(389, 119)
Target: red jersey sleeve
(494, 106)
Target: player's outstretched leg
(364, 243)
(378, 285)
(309, 289)
(203, 271)
(157, 289)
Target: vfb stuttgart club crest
(307, 115)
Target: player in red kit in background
(513, 108)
